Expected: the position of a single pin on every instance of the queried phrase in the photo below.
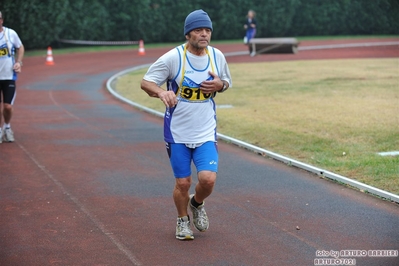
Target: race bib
(191, 91)
(4, 51)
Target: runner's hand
(210, 86)
(17, 67)
(168, 98)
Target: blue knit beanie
(197, 19)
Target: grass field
(334, 114)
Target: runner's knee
(207, 179)
(7, 107)
(183, 184)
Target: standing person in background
(194, 72)
(250, 27)
(11, 55)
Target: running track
(88, 182)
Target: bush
(40, 23)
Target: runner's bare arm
(19, 57)
(153, 90)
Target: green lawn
(333, 114)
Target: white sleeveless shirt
(193, 119)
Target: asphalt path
(88, 182)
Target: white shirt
(9, 41)
(193, 119)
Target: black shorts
(7, 91)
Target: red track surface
(88, 182)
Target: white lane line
(389, 153)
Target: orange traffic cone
(141, 48)
(49, 59)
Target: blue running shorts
(205, 158)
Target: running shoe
(8, 135)
(183, 231)
(200, 219)
(1, 136)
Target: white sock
(6, 125)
